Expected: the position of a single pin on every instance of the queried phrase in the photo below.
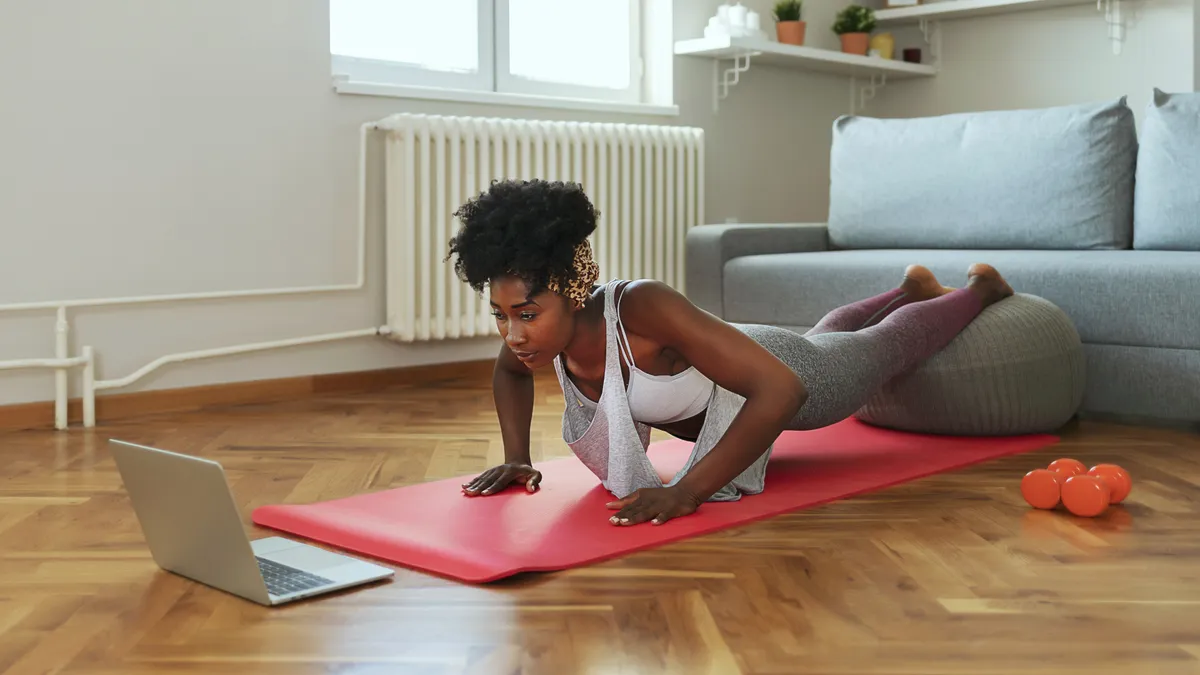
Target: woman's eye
(528, 316)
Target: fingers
(653, 510)
(501, 481)
(635, 513)
(489, 481)
(634, 517)
(534, 481)
(479, 482)
(498, 478)
(621, 503)
(653, 515)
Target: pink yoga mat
(434, 527)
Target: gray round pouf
(1018, 368)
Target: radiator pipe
(89, 387)
(53, 364)
(62, 330)
(227, 351)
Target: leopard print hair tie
(579, 289)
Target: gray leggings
(855, 349)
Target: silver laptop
(193, 529)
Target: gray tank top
(609, 442)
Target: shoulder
(643, 293)
(651, 308)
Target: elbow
(789, 392)
(797, 395)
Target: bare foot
(920, 284)
(987, 282)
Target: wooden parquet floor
(949, 574)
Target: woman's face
(537, 329)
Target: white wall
(1051, 57)
(154, 147)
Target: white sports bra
(655, 399)
(662, 399)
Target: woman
(632, 356)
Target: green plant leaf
(788, 10)
(854, 19)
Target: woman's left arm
(731, 359)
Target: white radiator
(646, 181)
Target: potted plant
(854, 25)
(788, 26)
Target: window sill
(345, 86)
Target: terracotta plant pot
(855, 43)
(790, 32)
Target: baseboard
(1144, 421)
(40, 414)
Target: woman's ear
(575, 307)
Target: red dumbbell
(1086, 495)
(1042, 488)
(1089, 494)
(1068, 467)
(1084, 492)
(1118, 479)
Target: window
(571, 49)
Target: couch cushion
(1167, 207)
(1137, 298)
(1056, 178)
(1141, 382)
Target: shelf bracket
(1116, 24)
(859, 96)
(726, 77)
(931, 30)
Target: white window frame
(650, 90)
(391, 72)
(507, 83)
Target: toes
(917, 273)
(919, 280)
(982, 270)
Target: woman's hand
(658, 505)
(500, 477)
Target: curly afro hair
(525, 228)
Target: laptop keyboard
(284, 580)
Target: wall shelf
(744, 51)
(777, 54)
(928, 15)
(962, 9)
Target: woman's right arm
(512, 391)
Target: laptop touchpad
(308, 558)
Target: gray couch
(1069, 203)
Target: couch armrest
(709, 247)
